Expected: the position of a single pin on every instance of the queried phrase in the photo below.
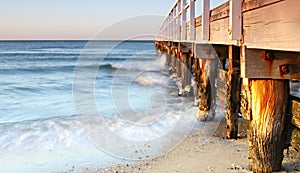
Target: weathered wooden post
(168, 55)
(266, 105)
(266, 128)
(206, 89)
(233, 92)
(178, 62)
(172, 69)
(197, 82)
(186, 65)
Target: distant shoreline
(76, 40)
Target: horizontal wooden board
(254, 66)
(220, 12)
(253, 4)
(198, 21)
(275, 26)
(219, 33)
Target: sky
(78, 19)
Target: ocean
(76, 105)
(68, 106)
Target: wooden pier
(252, 48)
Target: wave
(39, 134)
(149, 80)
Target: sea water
(62, 103)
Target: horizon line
(75, 40)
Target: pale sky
(76, 19)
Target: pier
(245, 53)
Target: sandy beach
(216, 155)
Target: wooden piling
(186, 67)
(233, 92)
(206, 90)
(266, 128)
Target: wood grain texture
(253, 64)
(221, 84)
(219, 32)
(295, 141)
(274, 27)
(266, 135)
(253, 4)
(233, 92)
(220, 12)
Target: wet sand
(216, 155)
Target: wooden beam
(220, 12)
(251, 5)
(258, 64)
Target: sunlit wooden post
(266, 128)
(267, 103)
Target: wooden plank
(253, 4)
(198, 21)
(220, 12)
(275, 26)
(219, 32)
(255, 64)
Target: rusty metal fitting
(283, 69)
(268, 56)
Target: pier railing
(179, 27)
(257, 24)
